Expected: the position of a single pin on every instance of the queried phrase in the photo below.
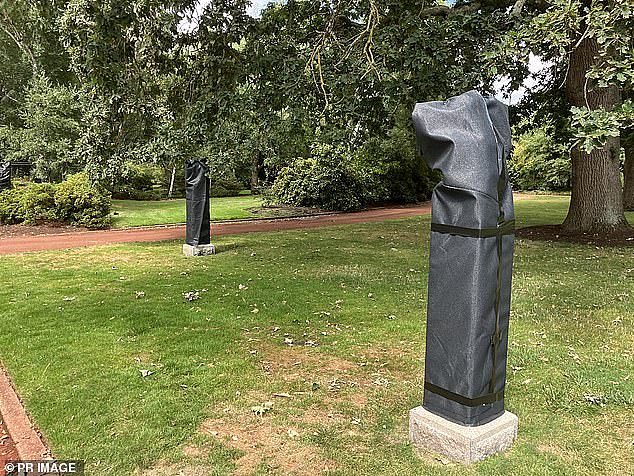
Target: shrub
(37, 203)
(11, 211)
(392, 171)
(225, 187)
(80, 203)
(537, 163)
(137, 182)
(326, 180)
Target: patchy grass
(326, 324)
(127, 213)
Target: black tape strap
(504, 228)
(462, 400)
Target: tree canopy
(96, 84)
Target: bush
(11, 211)
(326, 180)
(137, 182)
(37, 202)
(75, 201)
(80, 203)
(392, 171)
(226, 187)
(537, 163)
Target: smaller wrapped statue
(198, 234)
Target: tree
(589, 43)
(628, 172)
(51, 129)
(118, 50)
(29, 47)
(347, 72)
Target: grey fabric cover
(5, 176)
(468, 138)
(197, 203)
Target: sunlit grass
(80, 325)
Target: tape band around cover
(504, 228)
(469, 402)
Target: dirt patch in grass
(265, 443)
(620, 237)
(165, 469)
(556, 450)
(292, 363)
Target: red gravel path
(24, 441)
(8, 451)
(18, 244)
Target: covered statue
(197, 203)
(468, 138)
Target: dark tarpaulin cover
(468, 138)
(197, 203)
(5, 176)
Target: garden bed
(621, 237)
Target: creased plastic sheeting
(5, 176)
(468, 138)
(197, 203)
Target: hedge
(75, 201)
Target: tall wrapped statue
(198, 236)
(468, 138)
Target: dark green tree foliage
(52, 128)
(349, 71)
(29, 46)
(118, 51)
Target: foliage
(38, 204)
(75, 201)
(138, 182)
(392, 171)
(226, 187)
(325, 180)
(538, 163)
(81, 203)
(29, 47)
(11, 211)
(593, 127)
(51, 130)
(552, 32)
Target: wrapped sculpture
(468, 138)
(197, 203)
(5, 176)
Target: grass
(130, 213)
(142, 213)
(80, 325)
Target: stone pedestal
(463, 444)
(199, 250)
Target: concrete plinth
(463, 444)
(198, 250)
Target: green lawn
(142, 213)
(79, 326)
(127, 213)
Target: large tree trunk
(256, 167)
(596, 204)
(628, 189)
